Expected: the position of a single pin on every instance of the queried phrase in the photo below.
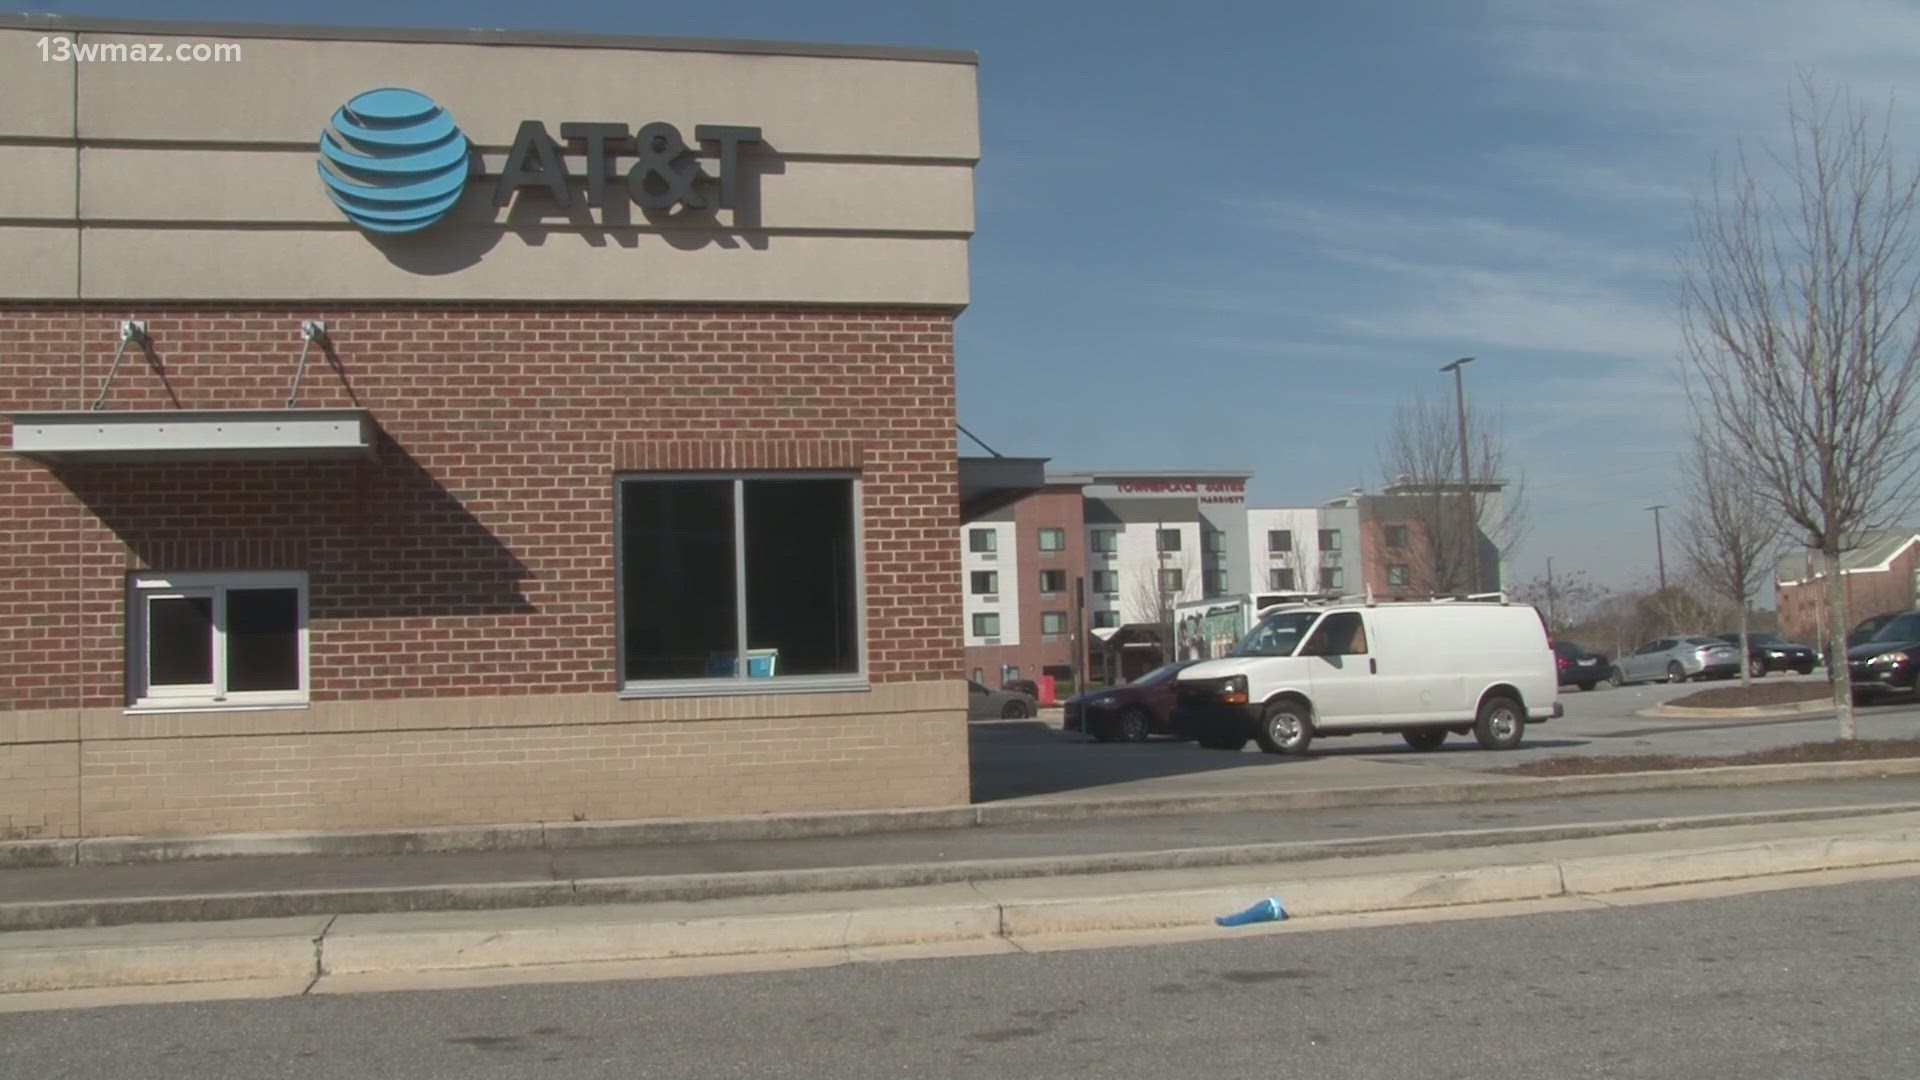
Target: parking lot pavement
(1034, 759)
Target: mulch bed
(1760, 693)
(1854, 750)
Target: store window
(211, 640)
(1104, 541)
(1106, 582)
(1053, 581)
(737, 580)
(1167, 539)
(1280, 580)
(985, 582)
(1279, 541)
(983, 541)
(1053, 623)
(986, 624)
(1053, 540)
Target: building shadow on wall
(380, 540)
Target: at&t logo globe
(393, 161)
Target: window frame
(742, 682)
(974, 533)
(1052, 530)
(1160, 537)
(973, 624)
(1213, 541)
(1396, 537)
(1112, 576)
(1045, 615)
(1179, 580)
(1329, 539)
(1285, 538)
(145, 585)
(1274, 584)
(1399, 575)
(993, 582)
(1044, 591)
(1112, 537)
(1107, 613)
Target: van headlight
(1233, 690)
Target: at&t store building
(428, 428)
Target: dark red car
(1127, 713)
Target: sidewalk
(347, 953)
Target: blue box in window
(761, 664)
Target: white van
(1421, 669)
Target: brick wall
(1049, 508)
(1803, 607)
(475, 558)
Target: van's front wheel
(1285, 728)
(1500, 724)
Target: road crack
(319, 961)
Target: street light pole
(1659, 545)
(1466, 481)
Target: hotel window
(1329, 539)
(986, 582)
(1397, 575)
(1396, 536)
(985, 624)
(1053, 540)
(1053, 581)
(726, 580)
(1106, 582)
(1104, 541)
(1333, 577)
(1172, 580)
(1214, 541)
(1279, 541)
(1216, 582)
(209, 639)
(1280, 580)
(1106, 620)
(1053, 623)
(1167, 539)
(983, 541)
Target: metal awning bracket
(132, 332)
(311, 330)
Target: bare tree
(1460, 533)
(1566, 600)
(1801, 309)
(1727, 534)
(1305, 565)
(1160, 581)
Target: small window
(985, 582)
(213, 639)
(1105, 620)
(1172, 579)
(1329, 539)
(1053, 581)
(1280, 580)
(1333, 577)
(978, 675)
(1053, 622)
(1279, 541)
(1104, 541)
(1167, 539)
(1396, 536)
(1339, 634)
(1106, 582)
(1214, 541)
(1216, 582)
(1053, 540)
(985, 623)
(1397, 575)
(983, 540)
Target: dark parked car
(1889, 660)
(1578, 667)
(1768, 651)
(1127, 713)
(1866, 628)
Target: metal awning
(136, 436)
(990, 483)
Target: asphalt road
(1815, 984)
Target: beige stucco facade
(193, 181)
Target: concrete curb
(580, 892)
(279, 949)
(1815, 708)
(559, 835)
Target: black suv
(1578, 667)
(1768, 652)
(1889, 660)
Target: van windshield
(1276, 635)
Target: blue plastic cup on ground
(1268, 910)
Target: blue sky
(1238, 234)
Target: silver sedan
(985, 704)
(1677, 659)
